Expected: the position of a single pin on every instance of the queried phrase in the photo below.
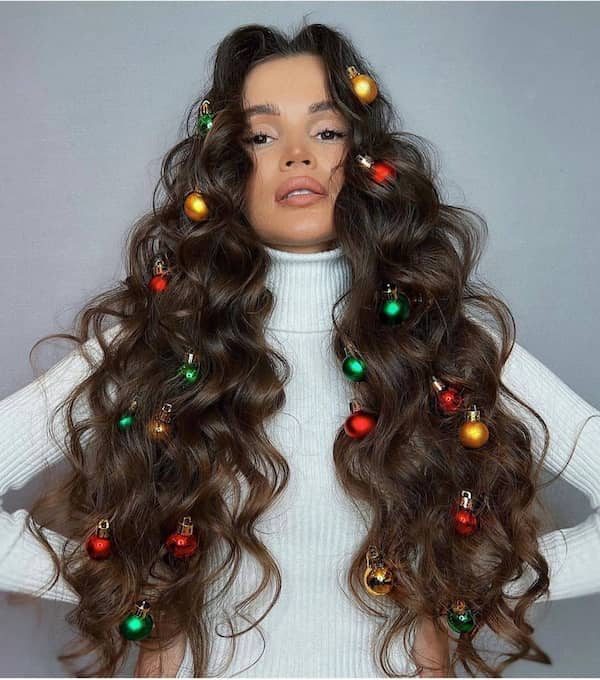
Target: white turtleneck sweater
(315, 629)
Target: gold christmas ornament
(473, 433)
(364, 87)
(378, 578)
(195, 206)
(160, 427)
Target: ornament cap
(103, 528)
(354, 405)
(390, 291)
(186, 526)
(473, 414)
(365, 160)
(438, 385)
(374, 557)
(466, 499)
(350, 348)
(142, 607)
(352, 71)
(458, 606)
(165, 413)
(160, 266)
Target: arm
(573, 553)
(25, 449)
(432, 649)
(149, 661)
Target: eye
(336, 134)
(251, 139)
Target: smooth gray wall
(93, 94)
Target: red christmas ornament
(449, 399)
(360, 423)
(465, 520)
(158, 284)
(98, 545)
(183, 542)
(161, 275)
(381, 171)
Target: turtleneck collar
(305, 287)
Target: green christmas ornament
(395, 307)
(353, 367)
(189, 369)
(128, 418)
(138, 625)
(205, 118)
(460, 619)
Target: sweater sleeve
(572, 553)
(26, 449)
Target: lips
(301, 182)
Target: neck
(305, 287)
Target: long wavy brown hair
(407, 472)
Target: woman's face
(295, 143)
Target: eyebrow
(273, 110)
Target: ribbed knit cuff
(25, 565)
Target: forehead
(287, 82)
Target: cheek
(259, 195)
(337, 168)
(255, 185)
(337, 179)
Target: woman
(208, 475)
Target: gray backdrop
(93, 94)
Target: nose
(297, 153)
(305, 161)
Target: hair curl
(407, 475)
